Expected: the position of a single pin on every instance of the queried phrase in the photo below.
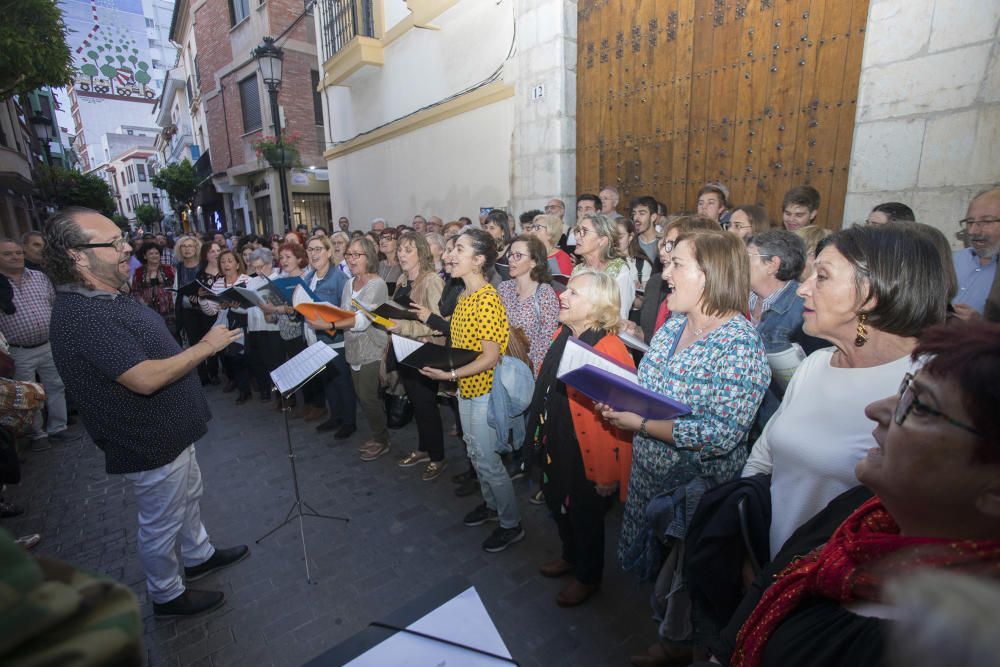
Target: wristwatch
(454, 378)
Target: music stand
(289, 378)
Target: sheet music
(577, 354)
(404, 347)
(463, 620)
(300, 296)
(299, 368)
(249, 294)
(633, 342)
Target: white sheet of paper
(300, 295)
(404, 347)
(298, 369)
(463, 620)
(633, 342)
(575, 356)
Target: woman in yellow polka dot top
(480, 323)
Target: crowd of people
(770, 518)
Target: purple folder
(623, 395)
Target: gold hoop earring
(862, 336)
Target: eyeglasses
(737, 225)
(758, 254)
(967, 223)
(908, 402)
(118, 244)
(353, 255)
(667, 246)
(516, 256)
(581, 232)
(388, 237)
(316, 248)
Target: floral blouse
(536, 316)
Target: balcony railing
(343, 20)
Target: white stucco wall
(516, 153)
(927, 131)
(448, 169)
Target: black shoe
(329, 425)
(480, 515)
(345, 431)
(515, 469)
(190, 603)
(242, 398)
(8, 510)
(467, 488)
(214, 380)
(220, 559)
(463, 477)
(503, 538)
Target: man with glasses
(555, 207)
(976, 265)
(27, 332)
(140, 400)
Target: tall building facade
(122, 52)
(230, 107)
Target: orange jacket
(606, 451)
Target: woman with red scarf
(936, 478)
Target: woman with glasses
(186, 254)
(875, 290)
(528, 297)
(480, 324)
(388, 266)
(328, 283)
(597, 245)
(364, 343)
(548, 229)
(933, 466)
(746, 221)
(340, 241)
(234, 359)
(264, 344)
(421, 286)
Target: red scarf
(865, 550)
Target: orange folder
(323, 311)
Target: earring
(862, 336)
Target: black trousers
(581, 529)
(266, 353)
(195, 325)
(422, 392)
(313, 390)
(237, 367)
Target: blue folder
(287, 286)
(623, 395)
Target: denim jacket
(781, 324)
(510, 398)
(330, 288)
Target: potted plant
(283, 152)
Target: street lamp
(269, 57)
(42, 125)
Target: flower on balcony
(279, 152)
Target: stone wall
(928, 126)
(544, 142)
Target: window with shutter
(250, 102)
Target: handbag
(398, 410)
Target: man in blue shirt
(976, 265)
(139, 401)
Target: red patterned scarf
(865, 550)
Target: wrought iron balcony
(343, 20)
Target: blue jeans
(480, 443)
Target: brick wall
(221, 97)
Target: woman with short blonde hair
(585, 460)
(548, 229)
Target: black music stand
(289, 378)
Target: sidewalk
(405, 536)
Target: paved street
(404, 537)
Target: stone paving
(404, 536)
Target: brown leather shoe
(576, 593)
(314, 413)
(556, 568)
(664, 654)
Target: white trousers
(28, 362)
(170, 511)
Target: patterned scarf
(865, 550)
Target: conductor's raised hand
(219, 337)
